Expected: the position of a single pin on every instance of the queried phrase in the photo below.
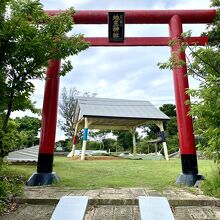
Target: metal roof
(119, 108)
(116, 114)
(24, 155)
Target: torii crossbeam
(175, 19)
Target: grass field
(115, 173)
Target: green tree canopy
(28, 39)
(29, 128)
(168, 109)
(171, 125)
(204, 65)
(124, 139)
(21, 133)
(28, 123)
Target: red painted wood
(49, 112)
(142, 41)
(75, 140)
(143, 16)
(185, 126)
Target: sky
(121, 72)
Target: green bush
(92, 145)
(144, 147)
(211, 185)
(10, 185)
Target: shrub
(10, 185)
(92, 145)
(145, 147)
(211, 185)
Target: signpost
(116, 26)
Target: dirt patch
(97, 158)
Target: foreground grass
(115, 173)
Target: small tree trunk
(9, 110)
(6, 119)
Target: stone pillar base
(40, 179)
(188, 179)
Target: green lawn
(115, 173)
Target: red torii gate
(175, 19)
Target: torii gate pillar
(44, 174)
(184, 121)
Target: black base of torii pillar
(40, 179)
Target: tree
(124, 139)
(28, 39)
(10, 140)
(100, 136)
(151, 129)
(67, 109)
(28, 123)
(207, 109)
(171, 125)
(29, 128)
(21, 133)
(169, 110)
(204, 65)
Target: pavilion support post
(134, 140)
(44, 174)
(85, 135)
(163, 137)
(72, 153)
(189, 174)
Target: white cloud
(125, 4)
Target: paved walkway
(107, 204)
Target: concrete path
(115, 204)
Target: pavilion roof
(117, 113)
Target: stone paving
(30, 212)
(51, 192)
(110, 212)
(116, 204)
(197, 213)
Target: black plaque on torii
(116, 26)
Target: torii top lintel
(143, 17)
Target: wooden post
(160, 125)
(133, 131)
(85, 134)
(72, 153)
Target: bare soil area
(97, 158)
